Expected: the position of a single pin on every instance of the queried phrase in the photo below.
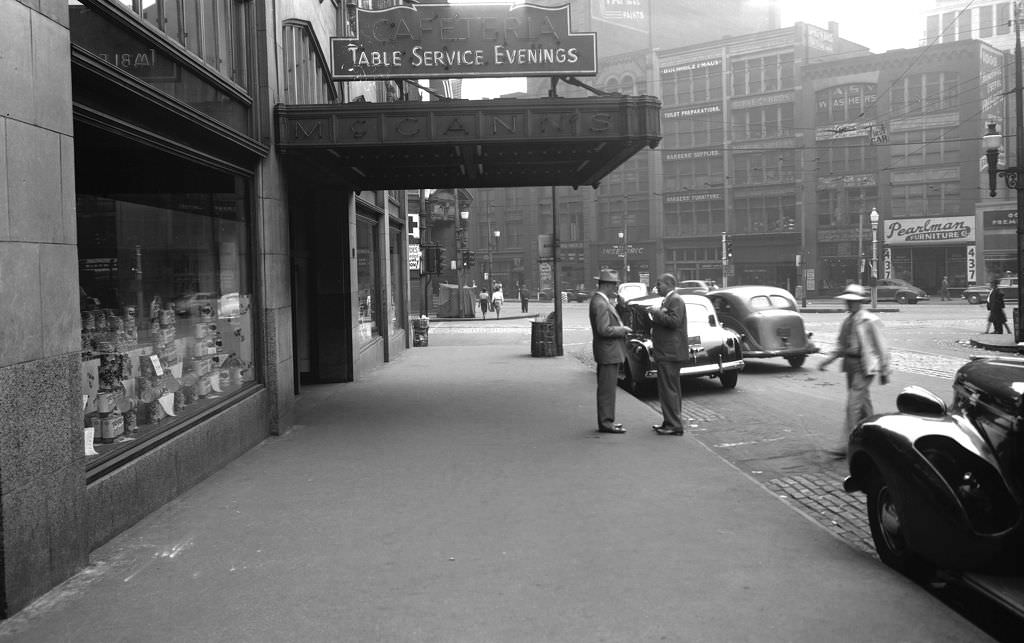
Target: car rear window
(697, 316)
(761, 302)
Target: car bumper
(703, 370)
(784, 352)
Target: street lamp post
(460, 249)
(874, 257)
(624, 243)
(492, 245)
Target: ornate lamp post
(1014, 177)
(874, 257)
(492, 245)
(624, 241)
(460, 249)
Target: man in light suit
(671, 350)
(609, 349)
(864, 353)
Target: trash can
(420, 332)
(542, 339)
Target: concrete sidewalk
(461, 494)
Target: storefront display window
(166, 295)
(368, 276)
(397, 306)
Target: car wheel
(902, 298)
(886, 532)
(974, 299)
(796, 362)
(729, 379)
(636, 386)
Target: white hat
(854, 292)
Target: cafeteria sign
(463, 41)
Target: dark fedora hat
(608, 275)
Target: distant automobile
(695, 287)
(715, 351)
(575, 294)
(900, 291)
(978, 294)
(199, 304)
(767, 320)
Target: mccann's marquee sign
(463, 41)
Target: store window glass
(368, 277)
(216, 33)
(166, 292)
(397, 303)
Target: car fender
(921, 459)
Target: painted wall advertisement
(928, 231)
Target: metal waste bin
(542, 339)
(420, 332)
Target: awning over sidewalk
(486, 143)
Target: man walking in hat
(864, 354)
(671, 350)
(609, 349)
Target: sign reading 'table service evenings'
(463, 41)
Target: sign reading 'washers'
(463, 41)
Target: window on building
(763, 74)
(307, 78)
(694, 218)
(770, 121)
(761, 213)
(213, 30)
(846, 103)
(925, 93)
(1003, 18)
(368, 279)
(932, 28)
(166, 291)
(949, 26)
(986, 22)
(964, 30)
(841, 207)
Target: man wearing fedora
(671, 350)
(609, 349)
(864, 354)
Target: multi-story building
(187, 236)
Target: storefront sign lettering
(924, 231)
(459, 41)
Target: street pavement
(419, 504)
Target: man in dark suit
(671, 350)
(609, 349)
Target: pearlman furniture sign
(463, 41)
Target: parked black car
(945, 484)
(768, 321)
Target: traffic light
(468, 258)
(435, 256)
(728, 250)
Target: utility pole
(725, 261)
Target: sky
(879, 25)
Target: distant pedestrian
(609, 349)
(524, 299)
(671, 349)
(996, 305)
(497, 299)
(944, 288)
(864, 354)
(485, 301)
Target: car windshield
(762, 302)
(632, 291)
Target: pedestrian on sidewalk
(524, 298)
(609, 349)
(671, 348)
(485, 301)
(497, 299)
(944, 288)
(996, 305)
(864, 354)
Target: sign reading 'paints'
(463, 41)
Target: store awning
(460, 143)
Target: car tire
(884, 522)
(974, 299)
(729, 379)
(636, 387)
(796, 362)
(902, 298)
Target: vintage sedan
(768, 321)
(945, 484)
(900, 291)
(714, 350)
(979, 293)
